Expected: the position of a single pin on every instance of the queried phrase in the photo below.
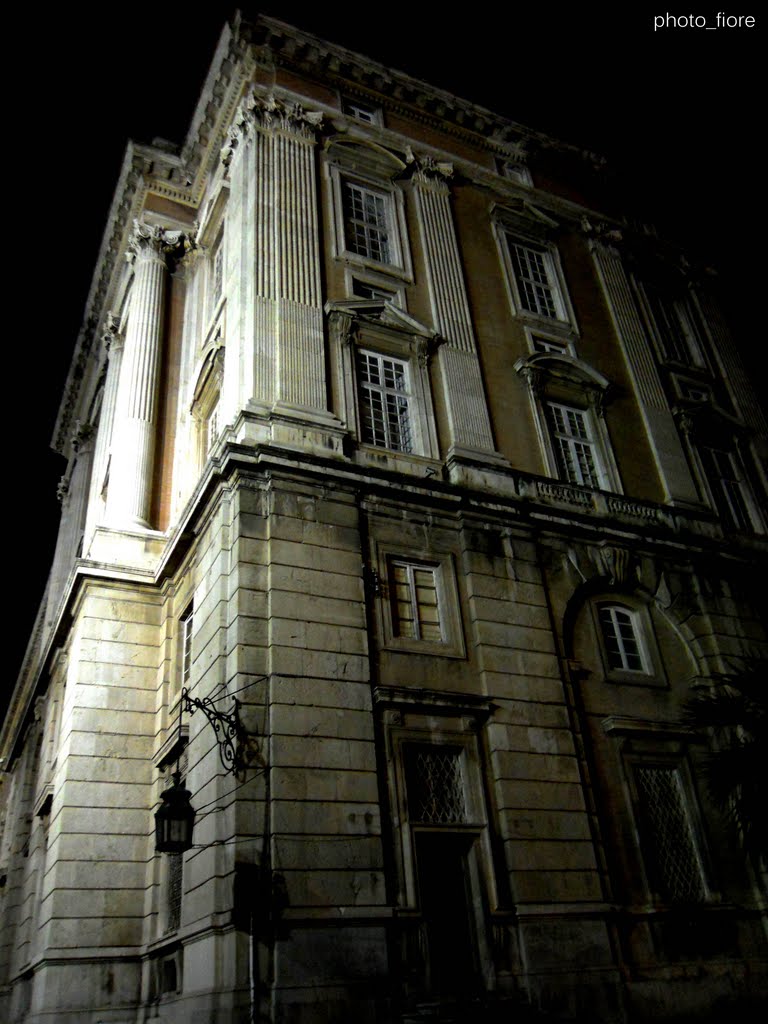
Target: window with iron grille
(415, 601)
(435, 785)
(622, 639)
(385, 419)
(670, 842)
(367, 222)
(576, 453)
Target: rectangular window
(621, 639)
(670, 843)
(415, 602)
(212, 428)
(361, 111)
(675, 328)
(185, 639)
(575, 451)
(384, 402)
(536, 283)
(367, 217)
(726, 483)
(364, 290)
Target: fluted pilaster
(273, 224)
(133, 439)
(458, 361)
(661, 429)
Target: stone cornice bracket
(534, 377)
(152, 242)
(617, 563)
(430, 172)
(341, 326)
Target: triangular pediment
(383, 312)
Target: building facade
(394, 444)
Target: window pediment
(565, 377)
(364, 157)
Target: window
(435, 784)
(218, 274)
(513, 170)
(669, 839)
(368, 207)
(385, 419)
(364, 290)
(729, 492)
(415, 607)
(212, 428)
(186, 626)
(361, 111)
(673, 323)
(620, 631)
(367, 219)
(535, 282)
(576, 453)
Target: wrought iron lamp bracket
(231, 734)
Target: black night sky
(675, 111)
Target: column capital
(430, 172)
(600, 232)
(270, 114)
(153, 242)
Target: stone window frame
(678, 342)
(662, 745)
(652, 673)
(562, 380)
(532, 229)
(206, 399)
(373, 169)
(706, 428)
(362, 324)
(362, 111)
(652, 871)
(429, 718)
(394, 289)
(442, 564)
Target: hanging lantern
(174, 819)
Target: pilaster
(662, 432)
(113, 343)
(469, 422)
(276, 321)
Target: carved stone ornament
(84, 432)
(600, 231)
(152, 242)
(427, 170)
(62, 488)
(111, 333)
(270, 114)
(618, 564)
(341, 326)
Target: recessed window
(415, 601)
(384, 396)
(364, 290)
(725, 477)
(367, 222)
(212, 427)
(540, 344)
(361, 111)
(669, 839)
(186, 626)
(621, 638)
(674, 324)
(435, 784)
(576, 453)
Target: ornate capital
(270, 114)
(428, 171)
(152, 242)
(598, 232)
(62, 488)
